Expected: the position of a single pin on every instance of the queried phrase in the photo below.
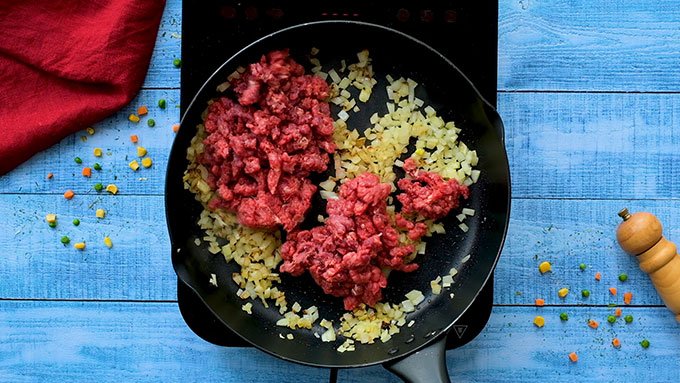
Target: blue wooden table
(589, 92)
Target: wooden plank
(568, 233)
(86, 342)
(593, 145)
(162, 73)
(76, 341)
(564, 232)
(559, 145)
(584, 46)
(37, 265)
(112, 135)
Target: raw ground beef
(346, 254)
(260, 150)
(428, 194)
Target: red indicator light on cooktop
(275, 13)
(251, 13)
(450, 16)
(403, 15)
(426, 15)
(228, 12)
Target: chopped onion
(468, 211)
(464, 227)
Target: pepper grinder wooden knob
(640, 234)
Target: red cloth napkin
(67, 64)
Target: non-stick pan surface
(444, 87)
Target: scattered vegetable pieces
(573, 357)
(616, 343)
(177, 63)
(107, 242)
(97, 167)
(544, 267)
(98, 152)
(585, 293)
(598, 276)
(564, 317)
(87, 172)
(65, 240)
(617, 312)
(80, 245)
(76, 222)
(69, 194)
(133, 117)
(628, 318)
(98, 187)
(78, 160)
(563, 292)
(623, 277)
(175, 128)
(134, 165)
(52, 224)
(151, 122)
(582, 266)
(593, 324)
(49, 176)
(134, 139)
(540, 302)
(539, 321)
(141, 151)
(111, 188)
(142, 110)
(161, 103)
(100, 213)
(51, 218)
(90, 130)
(627, 297)
(612, 290)
(611, 319)
(146, 162)
(644, 343)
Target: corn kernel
(134, 165)
(107, 242)
(419, 152)
(80, 245)
(141, 151)
(539, 321)
(146, 162)
(97, 152)
(133, 117)
(100, 213)
(51, 218)
(544, 267)
(111, 188)
(90, 130)
(563, 292)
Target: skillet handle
(425, 366)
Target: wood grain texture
(36, 264)
(74, 341)
(564, 232)
(162, 73)
(592, 145)
(580, 45)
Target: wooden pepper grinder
(640, 234)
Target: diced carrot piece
(134, 139)
(627, 297)
(49, 176)
(540, 302)
(598, 276)
(573, 357)
(69, 194)
(142, 110)
(612, 290)
(175, 128)
(87, 172)
(616, 343)
(617, 312)
(593, 324)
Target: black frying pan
(417, 352)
